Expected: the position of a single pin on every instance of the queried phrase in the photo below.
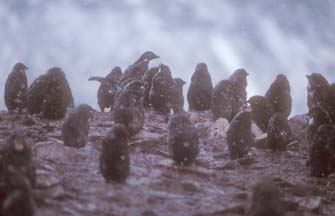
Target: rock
(311, 203)
(299, 126)
(190, 187)
(220, 128)
(29, 121)
(148, 213)
(261, 142)
(255, 130)
(302, 189)
(245, 161)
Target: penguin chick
(239, 81)
(108, 88)
(147, 78)
(129, 109)
(36, 94)
(265, 200)
(160, 93)
(316, 83)
(114, 156)
(16, 89)
(260, 112)
(182, 139)
(223, 100)
(200, 91)
(177, 97)
(279, 132)
(17, 155)
(76, 127)
(322, 152)
(239, 135)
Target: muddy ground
(69, 181)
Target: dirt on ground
(69, 181)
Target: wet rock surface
(69, 181)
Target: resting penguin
(260, 112)
(177, 97)
(278, 96)
(108, 88)
(147, 78)
(36, 94)
(223, 100)
(316, 89)
(114, 156)
(76, 127)
(200, 91)
(239, 135)
(160, 93)
(128, 108)
(265, 199)
(19, 200)
(322, 152)
(279, 132)
(17, 156)
(58, 95)
(182, 139)
(16, 89)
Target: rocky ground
(69, 181)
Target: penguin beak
(155, 56)
(308, 76)
(184, 82)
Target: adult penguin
(147, 78)
(260, 112)
(317, 89)
(177, 97)
(200, 90)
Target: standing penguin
(76, 127)
(177, 97)
(128, 107)
(36, 94)
(114, 156)
(17, 156)
(265, 199)
(147, 78)
(239, 135)
(108, 88)
(322, 152)
(160, 93)
(239, 81)
(279, 132)
(278, 96)
(182, 139)
(58, 95)
(200, 91)
(16, 89)
(316, 89)
(260, 112)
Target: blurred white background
(89, 37)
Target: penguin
(36, 94)
(58, 95)
(147, 78)
(182, 139)
(239, 81)
(19, 200)
(239, 135)
(160, 93)
(265, 199)
(108, 88)
(322, 152)
(200, 91)
(76, 127)
(279, 132)
(223, 100)
(114, 157)
(316, 83)
(138, 69)
(260, 112)
(177, 97)
(16, 89)
(129, 109)
(17, 155)
(278, 96)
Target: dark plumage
(265, 200)
(200, 91)
(279, 132)
(36, 94)
(278, 96)
(17, 156)
(128, 107)
(58, 95)
(260, 112)
(322, 152)
(239, 135)
(239, 80)
(183, 141)
(177, 97)
(316, 85)
(160, 93)
(108, 88)
(147, 78)
(76, 127)
(16, 89)
(114, 156)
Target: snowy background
(89, 37)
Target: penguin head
(201, 67)
(118, 131)
(239, 77)
(178, 82)
(115, 74)
(256, 101)
(85, 110)
(17, 142)
(55, 74)
(316, 80)
(20, 67)
(147, 56)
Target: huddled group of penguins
(139, 88)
